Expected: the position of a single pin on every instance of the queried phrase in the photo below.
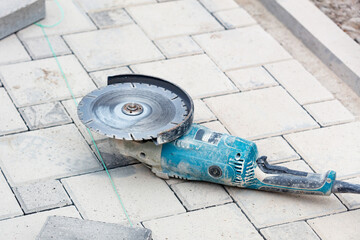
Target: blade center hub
(132, 109)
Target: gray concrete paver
(41, 196)
(45, 154)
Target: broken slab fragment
(57, 227)
(17, 14)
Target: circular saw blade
(138, 108)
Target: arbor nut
(132, 109)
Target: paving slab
(276, 149)
(351, 200)
(9, 207)
(99, 50)
(175, 18)
(10, 118)
(111, 155)
(57, 227)
(346, 226)
(41, 196)
(40, 81)
(235, 18)
(17, 14)
(255, 45)
(72, 15)
(251, 78)
(178, 46)
(45, 154)
(260, 113)
(29, 226)
(11, 51)
(45, 115)
(222, 222)
(145, 196)
(111, 18)
(335, 148)
(197, 75)
(72, 111)
(329, 113)
(267, 209)
(91, 6)
(39, 48)
(322, 36)
(196, 195)
(101, 77)
(300, 83)
(216, 126)
(217, 5)
(295, 231)
(202, 112)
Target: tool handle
(282, 179)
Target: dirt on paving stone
(345, 13)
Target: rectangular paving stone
(222, 222)
(175, 18)
(267, 209)
(40, 81)
(45, 115)
(215, 126)
(90, 6)
(251, 78)
(10, 119)
(332, 148)
(58, 228)
(17, 14)
(100, 49)
(101, 77)
(145, 196)
(197, 75)
(72, 110)
(344, 226)
(111, 155)
(11, 51)
(234, 18)
(195, 195)
(74, 21)
(39, 48)
(217, 5)
(178, 46)
(260, 113)
(243, 47)
(111, 18)
(45, 154)
(29, 226)
(351, 200)
(41, 196)
(276, 149)
(329, 113)
(295, 230)
(300, 83)
(9, 207)
(202, 112)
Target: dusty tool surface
(197, 153)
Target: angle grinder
(152, 120)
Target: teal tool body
(151, 120)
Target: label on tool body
(208, 136)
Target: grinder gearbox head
(138, 107)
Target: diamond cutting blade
(137, 110)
